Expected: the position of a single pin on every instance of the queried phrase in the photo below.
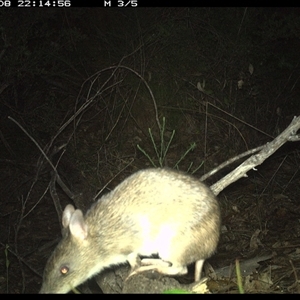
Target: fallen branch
(288, 135)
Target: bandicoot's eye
(64, 270)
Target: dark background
(226, 79)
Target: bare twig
(55, 177)
(288, 135)
(230, 161)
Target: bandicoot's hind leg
(172, 270)
(165, 267)
(198, 269)
(160, 266)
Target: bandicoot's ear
(78, 228)
(67, 214)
